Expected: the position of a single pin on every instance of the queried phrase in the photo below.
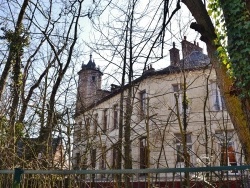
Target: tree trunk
(234, 105)
(45, 134)
(12, 49)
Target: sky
(100, 33)
(111, 20)
(100, 28)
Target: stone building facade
(172, 107)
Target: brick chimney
(174, 56)
(188, 47)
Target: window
(95, 124)
(143, 153)
(84, 162)
(217, 100)
(93, 78)
(103, 158)
(78, 160)
(103, 161)
(114, 156)
(105, 120)
(143, 103)
(115, 126)
(93, 158)
(177, 89)
(78, 132)
(179, 149)
(87, 125)
(226, 147)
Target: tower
(90, 78)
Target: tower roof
(90, 64)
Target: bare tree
(131, 48)
(38, 59)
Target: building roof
(196, 60)
(90, 66)
(193, 59)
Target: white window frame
(103, 162)
(143, 156)
(78, 132)
(217, 100)
(95, 124)
(178, 90)
(115, 117)
(78, 159)
(105, 120)
(93, 157)
(143, 103)
(178, 146)
(227, 138)
(87, 127)
(114, 156)
(103, 158)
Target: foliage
(233, 30)
(16, 40)
(19, 129)
(3, 129)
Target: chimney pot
(174, 56)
